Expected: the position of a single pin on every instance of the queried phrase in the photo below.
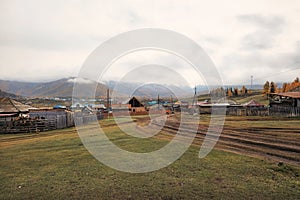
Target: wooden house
(285, 104)
(136, 106)
(285, 99)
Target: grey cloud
(258, 40)
(270, 23)
(267, 29)
(263, 66)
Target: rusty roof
(295, 95)
(253, 103)
(8, 105)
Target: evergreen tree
(272, 87)
(236, 92)
(229, 92)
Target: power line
(269, 76)
(278, 73)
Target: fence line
(284, 111)
(42, 121)
(49, 121)
(28, 125)
(247, 111)
(257, 111)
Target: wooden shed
(136, 105)
(10, 106)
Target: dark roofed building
(134, 102)
(136, 105)
(285, 99)
(295, 95)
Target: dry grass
(57, 166)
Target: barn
(135, 106)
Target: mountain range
(59, 88)
(64, 88)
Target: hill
(255, 95)
(150, 90)
(64, 88)
(58, 88)
(9, 95)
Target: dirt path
(275, 144)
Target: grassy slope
(59, 167)
(255, 95)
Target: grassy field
(55, 165)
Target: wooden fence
(45, 121)
(257, 111)
(80, 118)
(28, 125)
(284, 111)
(247, 111)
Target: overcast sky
(48, 40)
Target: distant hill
(149, 90)
(8, 95)
(64, 88)
(18, 88)
(59, 88)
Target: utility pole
(251, 82)
(158, 101)
(195, 96)
(171, 103)
(107, 99)
(107, 103)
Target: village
(16, 117)
(149, 100)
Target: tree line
(270, 88)
(230, 92)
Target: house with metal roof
(12, 108)
(285, 99)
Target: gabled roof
(253, 103)
(295, 95)
(134, 102)
(8, 105)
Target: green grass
(59, 167)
